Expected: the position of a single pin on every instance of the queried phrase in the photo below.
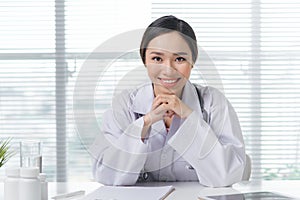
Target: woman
(170, 129)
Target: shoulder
(129, 97)
(209, 92)
(213, 98)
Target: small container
(30, 185)
(11, 184)
(31, 154)
(44, 186)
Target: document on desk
(129, 193)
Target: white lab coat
(211, 152)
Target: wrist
(187, 113)
(145, 130)
(147, 120)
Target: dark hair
(168, 24)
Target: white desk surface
(186, 190)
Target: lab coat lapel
(142, 103)
(190, 98)
(142, 99)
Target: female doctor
(169, 129)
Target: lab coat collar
(142, 100)
(190, 97)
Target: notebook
(129, 193)
(248, 196)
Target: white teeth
(169, 81)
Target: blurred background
(251, 52)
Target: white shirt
(211, 152)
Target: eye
(180, 59)
(157, 59)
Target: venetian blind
(43, 46)
(249, 50)
(27, 77)
(254, 46)
(88, 25)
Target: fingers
(169, 113)
(170, 105)
(163, 105)
(158, 102)
(167, 106)
(167, 99)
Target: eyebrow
(160, 53)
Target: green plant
(5, 153)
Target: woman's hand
(166, 105)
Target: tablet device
(248, 196)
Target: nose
(169, 68)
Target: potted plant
(5, 153)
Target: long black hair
(168, 24)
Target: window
(249, 49)
(254, 46)
(27, 76)
(43, 46)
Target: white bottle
(11, 184)
(30, 185)
(44, 186)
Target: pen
(69, 195)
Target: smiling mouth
(168, 82)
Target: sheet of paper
(129, 193)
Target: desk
(191, 190)
(186, 190)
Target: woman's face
(169, 63)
